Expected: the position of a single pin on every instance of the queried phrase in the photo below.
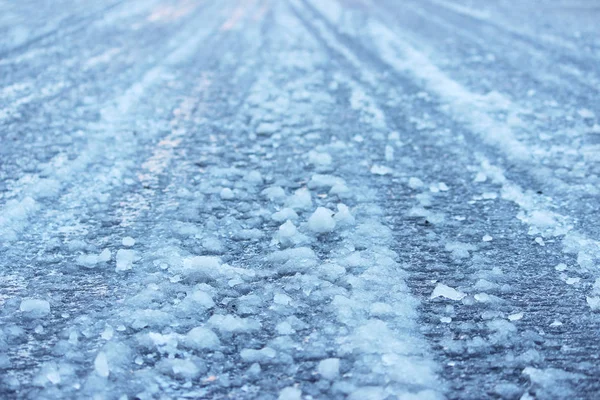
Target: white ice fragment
(329, 368)
(381, 170)
(343, 216)
(389, 153)
(593, 302)
(515, 317)
(91, 260)
(267, 128)
(459, 250)
(561, 267)
(107, 333)
(200, 268)
(282, 299)
(443, 187)
(487, 238)
(482, 297)
(301, 199)
(480, 177)
(290, 393)
(263, 356)
(128, 241)
(101, 365)
(539, 240)
(586, 114)
(319, 159)
(321, 221)
(35, 308)
(288, 235)
(125, 259)
(318, 181)
(445, 320)
(415, 183)
(556, 323)
(226, 194)
(231, 323)
(254, 177)
(284, 328)
(274, 193)
(447, 292)
(572, 281)
(201, 338)
(284, 214)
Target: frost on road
(299, 199)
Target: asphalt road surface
(300, 199)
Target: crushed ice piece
(226, 194)
(91, 260)
(285, 328)
(593, 302)
(556, 323)
(561, 267)
(572, 281)
(343, 216)
(459, 250)
(381, 170)
(358, 138)
(201, 338)
(318, 181)
(389, 153)
(415, 183)
(284, 215)
(254, 177)
(446, 320)
(586, 114)
(101, 365)
(35, 308)
(232, 323)
(290, 393)
(300, 200)
(443, 187)
(263, 356)
(515, 317)
(447, 292)
(319, 159)
(487, 238)
(125, 259)
(329, 368)
(274, 193)
(482, 297)
(539, 240)
(480, 177)
(321, 221)
(267, 128)
(128, 241)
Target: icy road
(300, 199)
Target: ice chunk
(91, 260)
(288, 235)
(324, 181)
(343, 217)
(447, 292)
(593, 302)
(101, 365)
(284, 214)
(200, 268)
(231, 323)
(586, 114)
(415, 183)
(389, 153)
(300, 200)
(226, 194)
(125, 259)
(274, 193)
(321, 221)
(263, 356)
(515, 317)
(329, 368)
(487, 238)
(128, 241)
(254, 177)
(201, 338)
(35, 308)
(459, 250)
(381, 170)
(319, 159)
(291, 261)
(290, 393)
(267, 128)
